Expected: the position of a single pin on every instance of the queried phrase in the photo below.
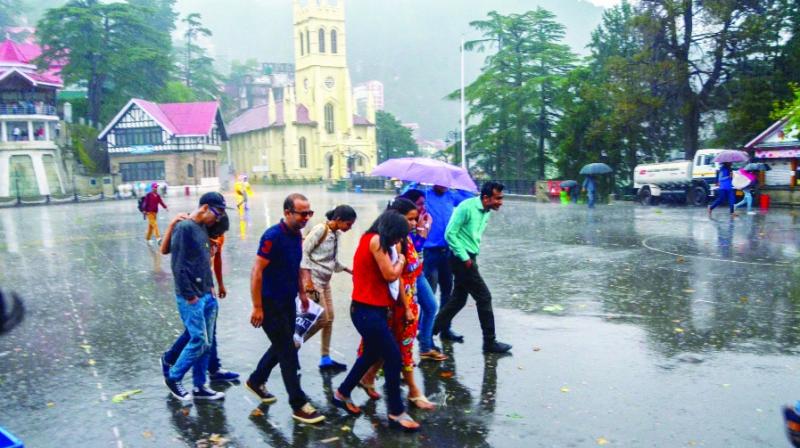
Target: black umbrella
(757, 166)
(596, 168)
(568, 184)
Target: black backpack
(141, 204)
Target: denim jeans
(590, 195)
(372, 324)
(199, 320)
(171, 356)
(468, 282)
(428, 309)
(278, 324)
(437, 271)
(722, 195)
(747, 199)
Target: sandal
(345, 403)
(422, 402)
(370, 390)
(397, 423)
(433, 355)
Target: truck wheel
(646, 196)
(698, 196)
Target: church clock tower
(344, 143)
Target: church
(310, 129)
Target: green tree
(394, 140)
(515, 98)
(162, 13)
(195, 63)
(112, 48)
(176, 92)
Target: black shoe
(177, 390)
(496, 347)
(206, 393)
(261, 392)
(450, 335)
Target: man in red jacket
(151, 203)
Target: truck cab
(689, 181)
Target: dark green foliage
(394, 140)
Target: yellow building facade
(313, 131)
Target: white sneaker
(206, 393)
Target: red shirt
(369, 286)
(151, 202)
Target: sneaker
(158, 241)
(261, 392)
(329, 364)
(177, 390)
(224, 375)
(496, 347)
(206, 393)
(308, 414)
(165, 366)
(450, 335)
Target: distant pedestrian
(464, 234)
(439, 203)
(216, 236)
(574, 193)
(725, 190)
(151, 202)
(373, 272)
(243, 192)
(748, 191)
(274, 285)
(320, 262)
(191, 268)
(590, 188)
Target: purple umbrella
(731, 156)
(426, 171)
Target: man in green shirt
(463, 235)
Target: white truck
(689, 181)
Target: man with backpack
(148, 205)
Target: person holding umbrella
(589, 185)
(590, 188)
(725, 191)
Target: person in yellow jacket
(243, 192)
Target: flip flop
(345, 403)
(433, 355)
(370, 390)
(422, 399)
(404, 417)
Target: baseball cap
(213, 199)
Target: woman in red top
(373, 271)
(404, 319)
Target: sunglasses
(306, 214)
(217, 214)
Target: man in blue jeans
(216, 235)
(191, 269)
(440, 202)
(274, 285)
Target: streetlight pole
(463, 118)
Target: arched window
(190, 170)
(308, 42)
(321, 34)
(303, 153)
(302, 44)
(329, 118)
(334, 42)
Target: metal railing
(17, 109)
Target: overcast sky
(409, 45)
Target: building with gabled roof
(779, 147)
(173, 143)
(30, 163)
(311, 129)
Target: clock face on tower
(330, 82)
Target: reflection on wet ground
(632, 326)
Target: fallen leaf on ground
(346, 428)
(51, 404)
(217, 439)
(688, 291)
(514, 415)
(147, 434)
(565, 389)
(743, 299)
(678, 330)
(602, 441)
(92, 362)
(185, 412)
(119, 398)
(536, 349)
(680, 260)
(329, 440)
(553, 308)
(257, 413)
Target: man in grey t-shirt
(191, 269)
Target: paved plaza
(631, 326)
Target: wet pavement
(631, 326)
